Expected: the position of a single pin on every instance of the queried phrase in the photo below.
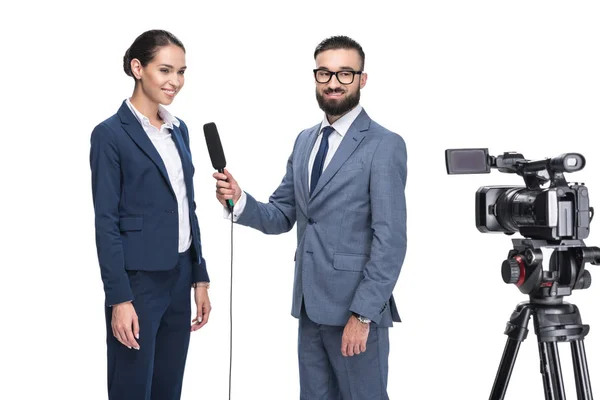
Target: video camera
(560, 211)
(557, 217)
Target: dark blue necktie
(317, 168)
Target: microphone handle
(229, 201)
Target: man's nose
(334, 83)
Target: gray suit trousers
(327, 375)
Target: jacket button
(311, 221)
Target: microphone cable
(217, 158)
(231, 307)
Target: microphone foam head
(215, 149)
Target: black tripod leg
(551, 372)
(516, 329)
(582, 376)
(505, 370)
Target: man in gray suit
(344, 185)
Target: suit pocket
(350, 262)
(132, 237)
(352, 166)
(131, 224)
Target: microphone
(215, 150)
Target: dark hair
(341, 42)
(145, 47)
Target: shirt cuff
(238, 208)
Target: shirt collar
(166, 116)
(342, 125)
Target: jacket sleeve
(199, 270)
(388, 212)
(106, 194)
(279, 214)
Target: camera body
(543, 213)
(560, 211)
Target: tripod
(554, 320)
(553, 323)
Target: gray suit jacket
(351, 231)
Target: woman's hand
(202, 307)
(125, 324)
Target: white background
(512, 76)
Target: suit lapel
(133, 128)
(305, 157)
(351, 141)
(186, 162)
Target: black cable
(231, 308)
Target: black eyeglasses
(345, 77)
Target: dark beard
(341, 108)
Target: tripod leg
(582, 376)
(551, 372)
(505, 370)
(516, 329)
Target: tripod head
(523, 267)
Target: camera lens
(515, 208)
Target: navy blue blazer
(136, 213)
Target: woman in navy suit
(147, 233)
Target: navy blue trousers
(162, 303)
